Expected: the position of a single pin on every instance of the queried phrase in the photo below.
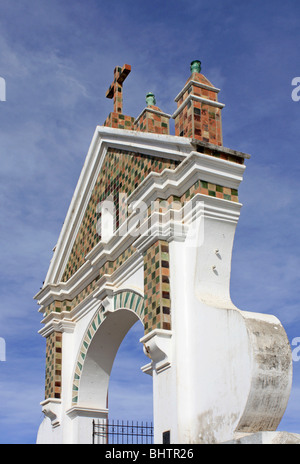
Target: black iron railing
(122, 432)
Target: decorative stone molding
(199, 99)
(87, 412)
(157, 345)
(107, 303)
(52, 409)
(57, 322)
(192, 82)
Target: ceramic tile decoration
(53, 365)
(157, 287)
(121, 172)
(198, 112)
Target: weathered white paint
(233, 369)
(266, 438)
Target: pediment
(117, 162)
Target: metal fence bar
(111, 432)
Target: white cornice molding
(87, 412)
(107, 282)
(157, 346)
(211, 169)
(168, 226)
(151, 110)
(196, 84)
(206, 101)
(121, 274)
(219, 149)
(95, 259)
(51, 407)
(59, 322)
(159, 145)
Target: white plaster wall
(49, 435)
(224, 357)
(220, 361)
(164, 404)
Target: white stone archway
(98, 363)
(98, 349)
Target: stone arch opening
(130, 392)
(99, 346)
(99, 358)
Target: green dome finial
(196, 66)
(150, 99)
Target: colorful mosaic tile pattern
(121, 172)
(68, 305)
(197, 119)
(157, 287)
(53, 365)
(58, 307)
(200, 121)
(151, 121)
(211, 190)
(130, 300)
(119, 121)
(111, 266)
(125, 300)
(195, 90)
(205, 188)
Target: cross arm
(110, 92)
(123, 73)
(120, 75)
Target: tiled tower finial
(150, 99)
(152, 119)
(195, 66)
(198, 113)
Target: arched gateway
(100, 345)
(149, 236)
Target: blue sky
(57, 59)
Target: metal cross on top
(115, 91)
